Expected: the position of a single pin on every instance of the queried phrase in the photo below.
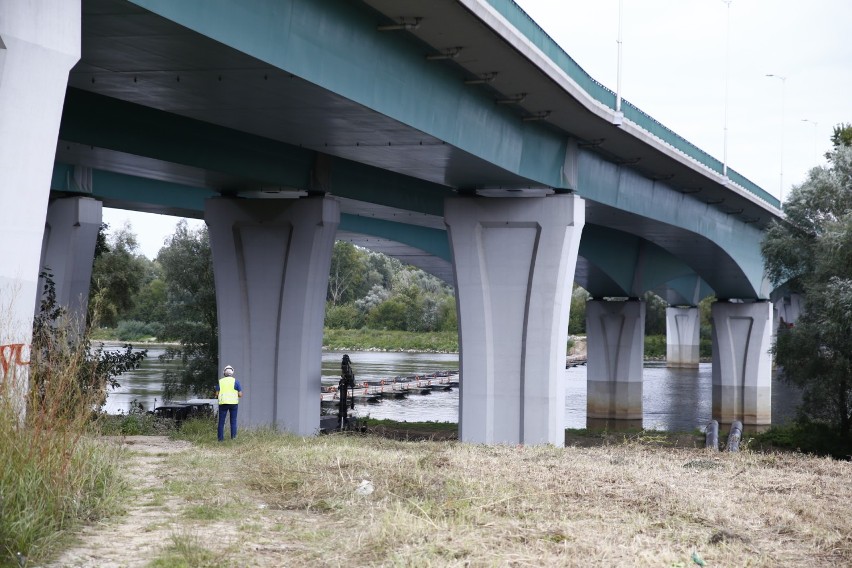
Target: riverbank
(365, 500)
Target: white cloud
(150, 229)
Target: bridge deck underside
(192, 117)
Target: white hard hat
(229, 370)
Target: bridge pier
(683, 326)
(742, 364)
(68, 249)
(271, 260)
(616, 334)
(514, 261)
(39, 43)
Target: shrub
(343, 316)
(132, 330)
(655, 346)
(388, 315)
(806, 436)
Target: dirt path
(133, 539)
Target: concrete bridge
(452, 134)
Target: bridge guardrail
(533, 32)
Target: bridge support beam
(514, 261)
(742, 364)
(39, 43)
(68, 249)
(271, 260)
(615, 334)
(683, 326)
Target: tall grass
(625, 502)
(52, 475)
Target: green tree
(812, 254)
(448, 319)
(59, 350)
(343, 316)
(151, 300)
(347, 275)
(117, 276)
(577, 317)
(655, 314)
(842, 135)
(390, 314)
(191, 303)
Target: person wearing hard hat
(228, 391)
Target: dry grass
(453, 504)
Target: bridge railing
(538, 37)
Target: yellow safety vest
(227, 393)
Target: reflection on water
(673, 399)
(144, 385)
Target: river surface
(672, 399)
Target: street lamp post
(727, 73)
(816, 125)
(618, 111)
(783, 84)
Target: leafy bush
(806, 436)
(137, 422)
(655, 347)
(132, 330)
(343, 316)
(390, 314)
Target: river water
(672, 399)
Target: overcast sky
(674, 68)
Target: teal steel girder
(121, 126)
(105, 122)
(684, 291)
(634, 265)
(135, 191)
(335, 45)
(431, 241)
(724, 251)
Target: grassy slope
(632, 502)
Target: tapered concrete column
(39, 43)
(68, 249)
(616, 342)
(271, 260)
(742, 364)
(683, 326)
(514, 261)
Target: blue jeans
(223, 410)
